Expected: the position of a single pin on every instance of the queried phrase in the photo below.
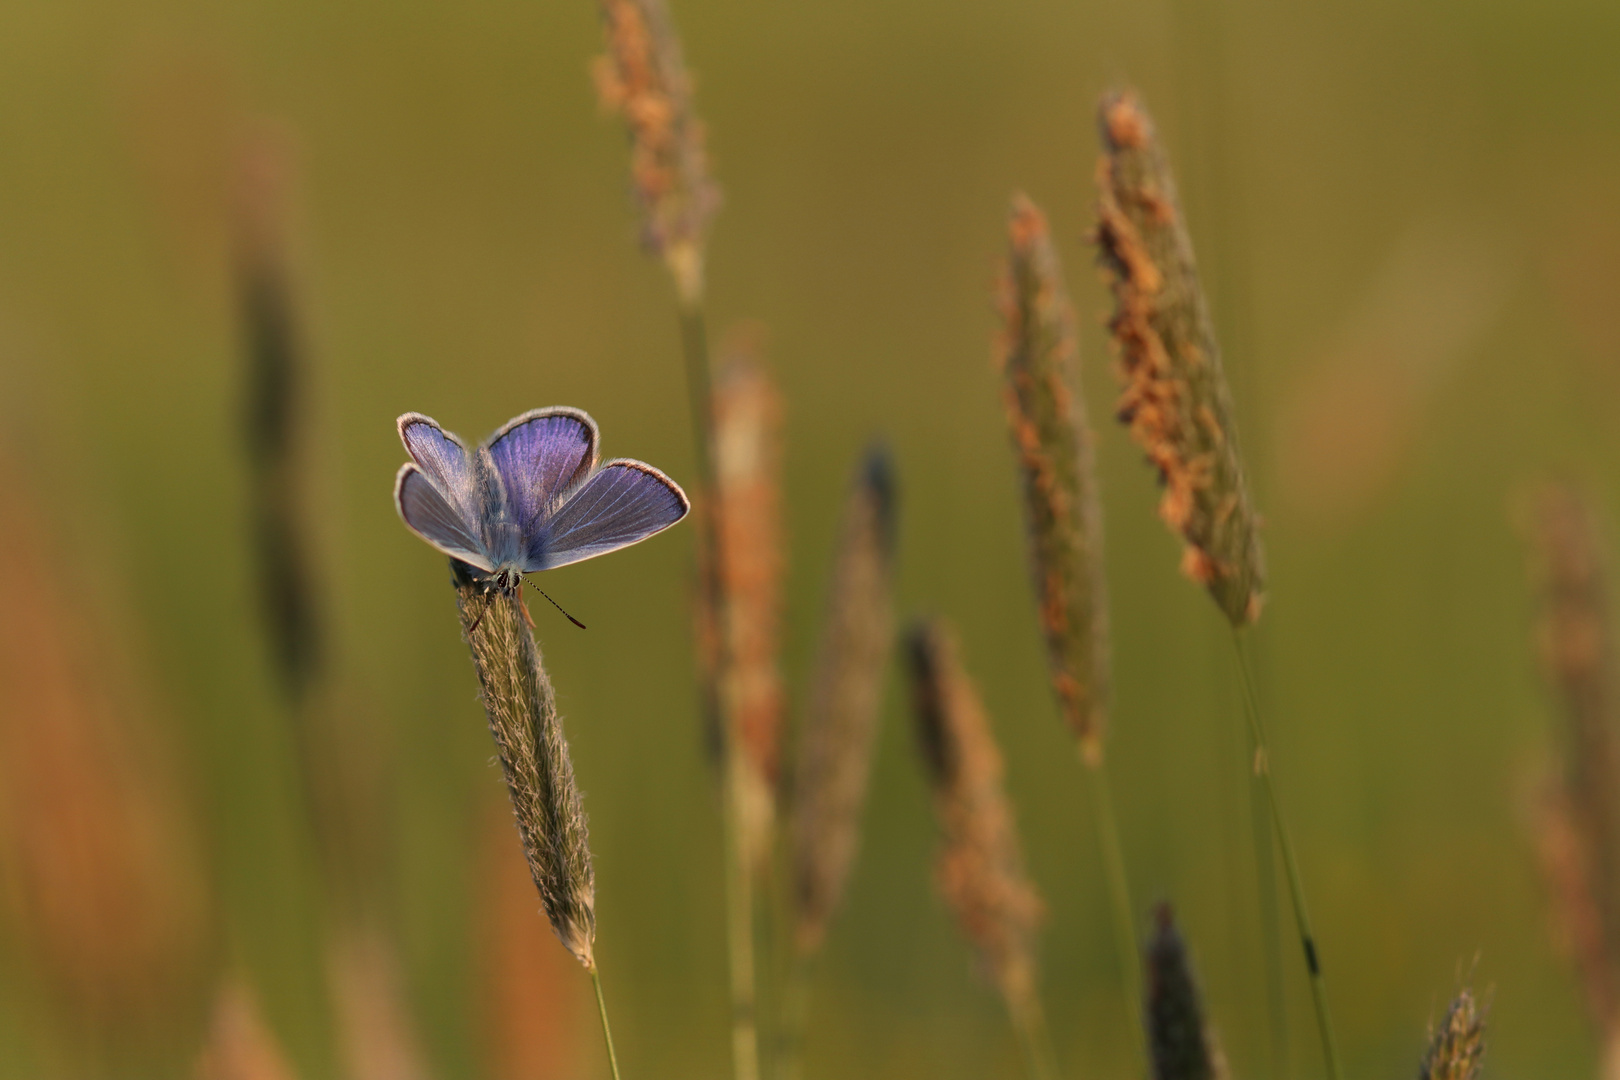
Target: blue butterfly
(531, 498)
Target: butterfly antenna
(558, 606)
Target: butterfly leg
(523, 608)
(488, 599)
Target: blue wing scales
(622, 503)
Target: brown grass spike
(1457, 1047)
(1175, 398)
(846, 698)
(643, 78)
(748, 512)
(1181, 1043)
(980, 866)
(1038, 353)
(1580, 826)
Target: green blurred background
(1409, 221)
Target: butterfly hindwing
(428, 514)
(620, 504)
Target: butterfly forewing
(443, 460)
(429, 515)
(540, 456)
(622, 503)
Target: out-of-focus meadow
(1408, 220)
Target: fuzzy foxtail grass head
(1175, 399)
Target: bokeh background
(1409, 223)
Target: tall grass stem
(1036, 1039)
(607, 1031)
(1265, 872)
(739, 885)
(739, 926)
(1296, 888)
(1119, 899)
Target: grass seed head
(980, 866)
(523, 718)
(1580, 819)
(642, 77)
(1457, 1046)
(1052, 441)
(1175, 399)
(747, 510)
(846, 698)
(1180, 1042)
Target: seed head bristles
(1175, 397)
(643, 78)
(1580, 824)
(529, 740)
(1457, 1046)
(748, 512)
(1180, 1041)
(1038, 352)
(846, 696)
(980, 869)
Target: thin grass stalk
(1296, 887)
(527, 728)
(980, 866)
(1456, 1048)
(1271, 938)
(1181, 1041)
(1580, 824)
(834, 761)
(642, 77)
(1038, 352)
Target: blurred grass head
(1175, 399)
(1039, 352)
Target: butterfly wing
(540, 457)
(443, 460)
(428, 514)
(620, 504)
(437, 496)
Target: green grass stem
(1296, 888)
(607, 1032)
